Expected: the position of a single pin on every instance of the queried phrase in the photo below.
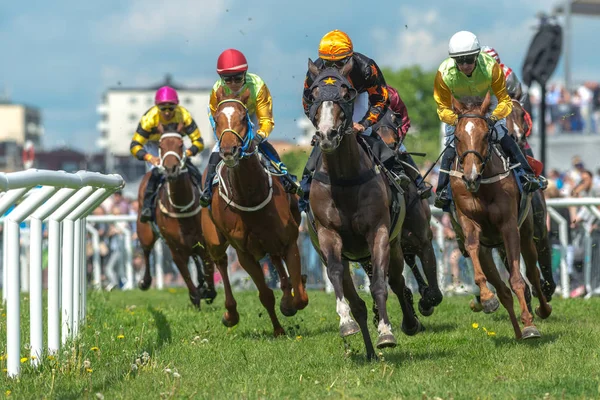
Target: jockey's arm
(212, 103)
(140, 138)
(443, 97)
(504, 106)
(403, 111)
(264, 112)
(192, 131)
(378, 96)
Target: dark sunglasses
(234, 79)
(167, 107)
(466, 59)
(335, 63)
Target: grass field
(154, 345)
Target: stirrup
(146, 214)
(530, 183)
(441, 199)
(424, 190)
(401, 179)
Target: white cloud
(148, 21)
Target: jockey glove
(491, 121)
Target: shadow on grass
(164, 336)
(399, 356)
(504, 341)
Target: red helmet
(231, 62)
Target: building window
(132, 117)
(188, 101)
(133, 100)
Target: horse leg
(265, 294)
(181, 259)
(542, 244)
(358, 309)
(207, 270)
(292, 260)
(380, 259)
(231, 316)
(411, 261)
(533, 275)
(512, 238)
(502, 254)
(410, 323)
(488, 299)
(331, 247)
(487, 261)
(433, 295)
(147, 239)
(285, 306)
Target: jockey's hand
(155, 160)
(358, 127)
(188, 153)
(491, 121)
(258, 138)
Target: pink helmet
(166, 94)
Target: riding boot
(194, 172)
(151, 187)
(423, 188)
(211, 171)
(398, 170)
(442, 199)
(289, 181)
(309, 169)
(528, 179)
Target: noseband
(182, 158)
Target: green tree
(415, 87)
(295, 160)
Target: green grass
(451, 359)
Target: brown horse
(486, 204)
(519, 125)
(416, 229)
(252, 212)
(350, 209)
(177, 220)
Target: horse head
(171, 152)
(233, 127)
(389, 129)
(331, 101)
(519, 123)
(472, 136)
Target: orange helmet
(335, 45)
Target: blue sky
(61, 55)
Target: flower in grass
(475, 325)
(298, 338)
(490, 333)
(87, 364)
(176, 375)
(8, 392)
(94, 348)
(2, 357)
(24, 359)
(50, 357)
(89, 370)
(121, 336)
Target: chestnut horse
(519, 126)
(416, 229)
(486, 206)
(177, 220)
(350, 204)
(251, 212)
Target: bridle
(484, 160)
(245, 141)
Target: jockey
(513, 84)
(232, 68)
(470, 72)
(335, 50)
(399, 108)
(144, 145)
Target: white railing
(65, 200)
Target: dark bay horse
(251, 212)
(416, 229)
(350, 205)
(177, 220)
(519, 125)
(486, 205)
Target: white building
(122, 108)
(20, 123)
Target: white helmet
(463, 43)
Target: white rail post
(158, 265)
(128, 259)
(96, 266)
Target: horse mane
(471, 102)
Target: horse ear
(486, 104)
(459, 108)
(245, 96)
(313, 69)
(347, 67)
(220, 94)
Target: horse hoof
(475, 306)
(228, 323)
(530, 332)
(412, 332)
(426, 312)
(387, 340)
(491, 305)
(195, 301)
(143, 285)
(348, 329)
(279, 332)
(288, 312)
(539, 313)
